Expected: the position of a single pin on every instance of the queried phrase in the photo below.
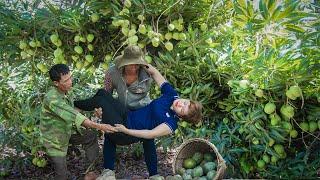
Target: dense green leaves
(222, 53)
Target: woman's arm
(161, 130)
(155, 74)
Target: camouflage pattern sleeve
(67, 113)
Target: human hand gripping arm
(155, 74)
(102, 127)
(158, 131)
(69, 114)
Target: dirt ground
(128, 166)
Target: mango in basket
(211, 174)
(208, 157)
(197, 157)
(187, 176)
(208, 167)
(197, 172)
(189, 163)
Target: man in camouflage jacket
(61, 123)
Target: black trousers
(113, 112)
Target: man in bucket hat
(131, 82)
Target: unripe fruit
(169, 46)
(279, 148)
(125, 31)
(23, 54)
(116, 23)
(286, 125)
(94, 17)
(255, 141)
(313, 126)
(57, 52)
(140, 17)
(132, 32)
(78, 49)
(261, 164)
(32, 44)
(125, 23)
(180, 20)
(244, 83)
(141, 45)
(203, 27)
(271, 142)
(76, 38)
(155, 41)
(79, 65)
(182, 36)
(34, 161)
(274, 159)
(266, 158)
(105, 66)
(89, 58)
(107, 58)
(209, 40)
(23, 45)
(127, 3)
(275, 119)
(90, 47)
(54, 38)
(142, 29)
(269, 108)
(151, 34)
(259, 93)
(179, 27)
(124, 11)
(38, 43)
(58, 43)
(74, 58)
(296, 91)
(171, 27)
(168, 36)
(30, 52)
(90, 37)
(287, 111)
(293, 133)
(290, 95)
(133, 39)
(82, 39)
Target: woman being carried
(159, 118)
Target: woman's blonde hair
(194, 115)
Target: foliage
(233, 56)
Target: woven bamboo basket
(189, 147)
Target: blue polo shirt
(156, 113)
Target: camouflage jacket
(58, 120)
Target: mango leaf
(287, 11)
(294, 28)
(263, 9)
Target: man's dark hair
(57, 71)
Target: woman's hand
(121, 128)
(150, 69)
(107, 128)
(155, 74)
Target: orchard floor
(128, 166)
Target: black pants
(113, 112)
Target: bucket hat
(132, 55)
